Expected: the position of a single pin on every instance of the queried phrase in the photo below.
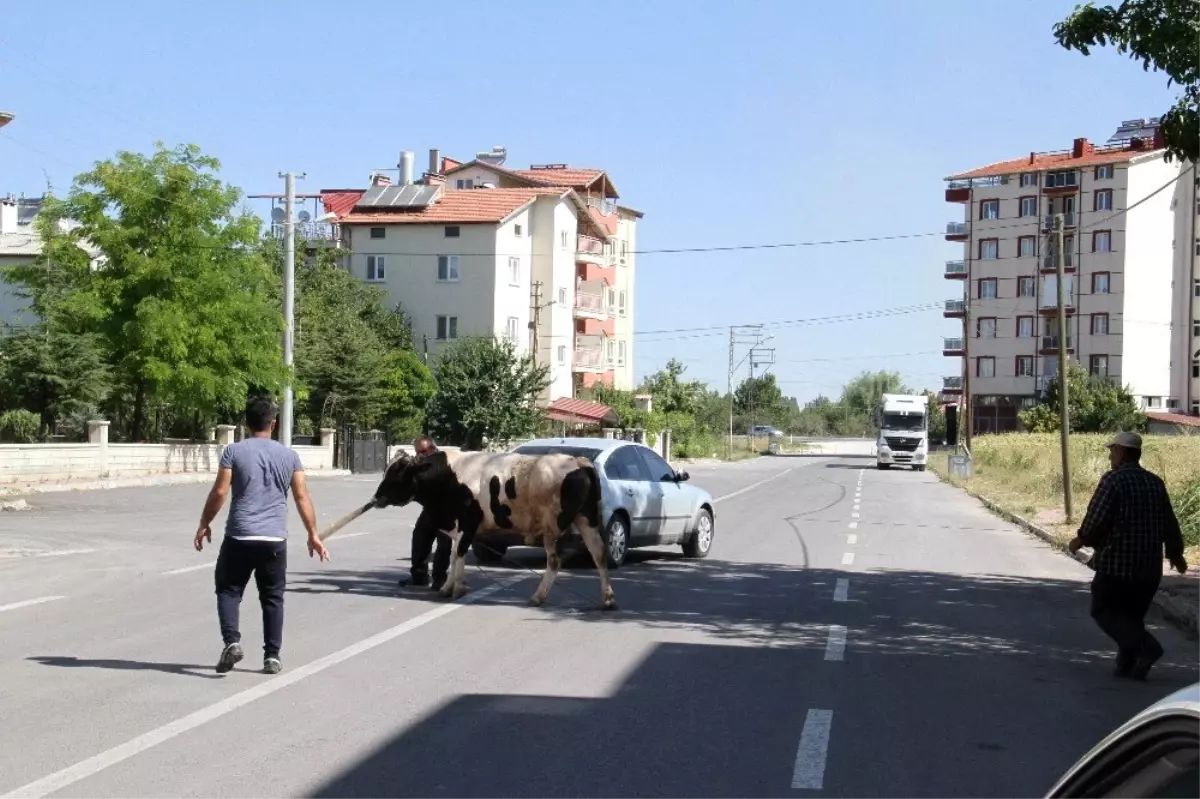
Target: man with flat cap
(1128, 523)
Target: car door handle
(629, 491)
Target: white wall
(1183, 343)
(623, 375)
(555, 267)
(509, 299)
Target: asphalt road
(853, 633)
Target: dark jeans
(424, 532)
(268, 562)
(1119, 606)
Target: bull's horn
(349, 517)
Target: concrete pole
(289, 290)
(1064, 420)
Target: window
(1153, 402)
(1098, 366)
(987, 288)
(562, 239)
(623, 251)
(1100, 283)
(447, 268)
(453, 231)
(447, 328)
(621, 303)
(1024, 327)
(469, 183)
(985, 367)
(517, 231)
(985, 327)
(989, 249)
(375, 267)
(1196, 368)
(514, 271)
(1028, 179)
(378, 232)
(1026, 287)
(611, 296)
(624, 464)
(1195, 329)
(1061, 179)
(1102, 200)
(512, 329)
(562, 296)
(1028, 206)
(562, 353)
(612, 345)
(620, 353)
(658, 469)
(989, 209)
(1024, 366)
(1104, 172)
(1026, 247)
(1099, 324)
(1196, 288)
(1101, 241)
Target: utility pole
(767, 359)
(535, 318)
(1060, 258)
(968, 420)
(729, 442)
(289, 291)
(733, 366)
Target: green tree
(671, 393)
(52, 372)
(1164, 35)
(1094, 405)
(761, 395)
(862, 394)
(181, 296)
(485, 388)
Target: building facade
(1126, 274)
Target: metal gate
(363, 451)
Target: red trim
(1096, 233)
(1021, 200)
(1017, 366)
(1106, 274)
(1096, 199)
(979, 288)
(979, 248)
(1092, 362)
(1017, 327)
(1112, 171)
(980, 359)
(958, 195)
(983, 203)
(1107, 325)
(1027, 238)
(979, 320)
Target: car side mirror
(681, 477)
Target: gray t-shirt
(262, 475)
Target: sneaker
(437, 583)
(1141, 667)
(272, 665)
(231, 654)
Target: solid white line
(853, 525)
(752, 487)
(835, 647)
(353, 535)
(26, 603)
(841, 591)
(851, 539)
(195, 568)
(809, 770)
(93, 765)
(848, 559)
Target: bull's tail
(593, 505)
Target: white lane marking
(841, 591)
(94, 765)
(857, 506)
(853, 525)
(752, 487)
(848, 559)
(835, 647)
(53, 553)
(353, 535)
(195, 568)
(808, 773)
(852, 539)
(27, 602)
(855, 515)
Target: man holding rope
(428, 527)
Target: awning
(581, 411)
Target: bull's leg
(550, 541)
(595, 545)
(466, 527)
(454, 581)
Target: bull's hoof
(460, 592)
(536, 602)
(446, 590)
(609, 604)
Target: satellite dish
(304, 216)
(277, 214)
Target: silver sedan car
(646, 502)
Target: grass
(1022, 472)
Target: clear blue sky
(726, 123)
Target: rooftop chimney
(378, 179)
(1081, 148)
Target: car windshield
(555, 449)
(903, 421)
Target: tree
(1162, 34)
(485, 388)
(54, 372)
(671, 393)
(180, 296)
(1094, 405)
(761, 395)
(862, 394)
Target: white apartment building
(1127, 274)
(477, 249)
(20, 244)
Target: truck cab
(902, 431)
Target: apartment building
(1126, 267)
(475, 248)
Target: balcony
(1068, 220)
(1050, 263)
(590, 305)
(589, 359)
(955, 309)
(956, 270)
(1050, 345)
(953, 346)
(952, 385)
(590, 250)
(956, 231)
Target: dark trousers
(426, 530)
(267, 560)
(1119, 606)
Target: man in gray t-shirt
(260, 471)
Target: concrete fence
(46, 463)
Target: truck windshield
(903, 421)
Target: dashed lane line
(841, 590)
(195, 568)
(752, 486)
(835, 647)
(848, 559)
(29, 602)
(852, 539)
(808, 772)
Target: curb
(145, 481)
(1178, 610)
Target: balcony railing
(956, 228)
(1051, 342)
(956, 267)
(950, 344)
(1051, 262)
(990, 180)
(308, 231)
(589, 357)
(952, 383)
(1068, 220)
(589, 245)
(956, 306)
(589, 302)
(604, 206)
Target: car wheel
(700, 543)
(616, 541)
(488, 553)
(883, 466)
(919, 468)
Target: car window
(656, 466)
(623, 464)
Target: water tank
(406, 167)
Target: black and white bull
(538, 495)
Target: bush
(1187, 509)
(19, 426)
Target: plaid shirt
(1128, 522)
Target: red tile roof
(1037, 162)
(340, 201)
(463, 207)
(575, 178)
(1174, 418)
(577, 410)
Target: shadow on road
(185, 669)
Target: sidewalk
(11, 491)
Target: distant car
(646, 502)
(1154, 754)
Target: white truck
(902, 431)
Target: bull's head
(406, 479)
